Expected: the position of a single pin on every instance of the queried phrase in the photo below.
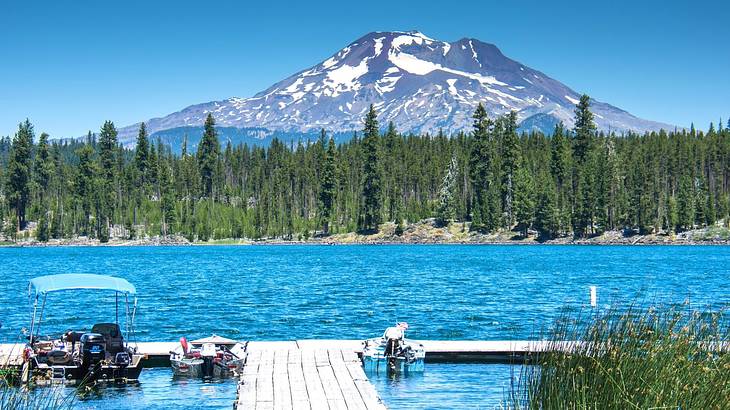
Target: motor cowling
(122, 359)
(93, 349)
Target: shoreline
(419, 233)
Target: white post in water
(594, 297)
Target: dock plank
(265, 379)
(282, 390)
(298, 387)
(247, 384)
(352, 396)
(315, 390)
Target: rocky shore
(422, 232)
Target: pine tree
(141, 155)
(447, 200)
(42, 167)
(167, 197)
(208, 156)
(108, 179)
(511, 159)
(482, 155)
(584, 175)
(584, 129)
(685, 201)
(583, 213)
(371, 188)
(18, 173)
(560, 156)
(328, 186)
(547, 218)
(524, 203)
(41, 233)
(392, 151)
(672, 214)
(85, 185)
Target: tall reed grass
(14, 397)
(635, 359)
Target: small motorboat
(211, 357)
(101, 354)
(393, 353)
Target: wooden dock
(157, 354)
(283, 375)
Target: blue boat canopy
(70, 281)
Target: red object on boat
(184, 343)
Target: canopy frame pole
(40, 318)
(134, 312)
(32, 319)
(116, 308)
(126, 318)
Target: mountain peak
(419, 83)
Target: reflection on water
(157, 389)
(447, 386)
(440, 386)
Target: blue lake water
(353, 292)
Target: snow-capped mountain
(419, 83)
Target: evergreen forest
(575, 182)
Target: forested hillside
(575, 182)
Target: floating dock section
(285, 375)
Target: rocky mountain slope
(419, 83)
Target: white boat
(393, 353)
(210, 357)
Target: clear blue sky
(70, 65)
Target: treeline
(574, 182)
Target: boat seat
(112, 336)
(58, 357)
(73, 336)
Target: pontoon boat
(98, 354)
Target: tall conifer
(371, 189)
(208, 156)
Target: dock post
(594, 297)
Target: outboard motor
(93, 350)
(394, 338)
(208, 353)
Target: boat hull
(201, 368)
(392, 365)
(227, 361)
(374, 359)
(71, 374)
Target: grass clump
(648, 359)
(14, 397)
